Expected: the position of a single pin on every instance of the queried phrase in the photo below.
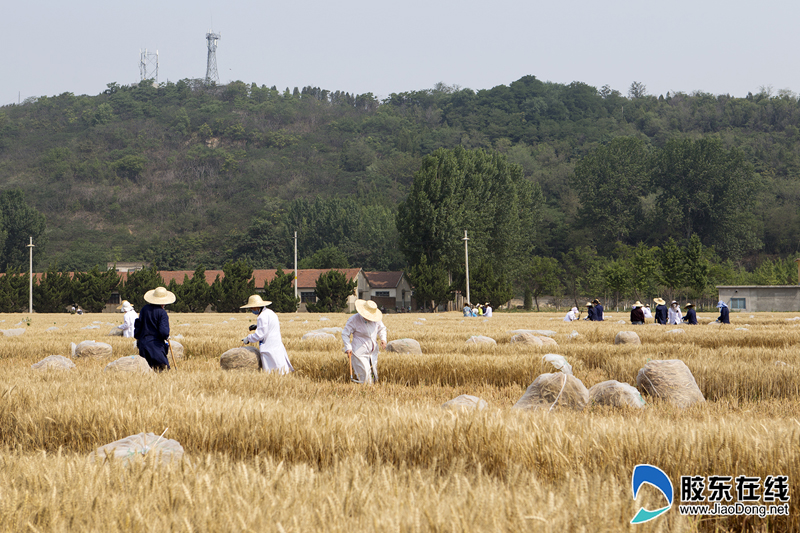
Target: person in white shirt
(647, 312)
(674, 313)
(127, 320)
(573, 315)
(268, 336)
(367, 330)
(488, 310)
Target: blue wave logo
(656, 477)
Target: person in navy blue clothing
(151, 329)
(598, 310)
(660, 312)
(724, 313)
(589, 312)
(691, 315)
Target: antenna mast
(212, 76)
(148, 66)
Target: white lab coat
(572, 315)
(488, 312)
(127, 323)
(364, 346)
(674, 315)
(270, 344)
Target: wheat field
(313, 452)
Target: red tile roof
(384, 280)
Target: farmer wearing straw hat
(598, 310)
(637, 314)
(661, 311)
(268, 336)
(589, 311)
(724, 313)
(366, 327)
(129, 318)
(151, 329)
(691, 315)
(675, 315)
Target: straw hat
(659, 301)
(689, 305)
(588, 304)
(255, 301)
(125, 305)
(159, 296)
(638, 304)
(369, 310)
(596, 301)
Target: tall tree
(14, 291)
(196, 291)
(672, 266)
(332, 290)
(92, 290)
(280, 292)
(53, 292)
(540, 277)
(696, 268)
(611, 181)
(18, 222)
(429, 282)
(710, 191)
(236, 287)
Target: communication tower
(148, 65)
(212, 76)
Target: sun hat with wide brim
(588, 304)
(595, 301)
(159, 296)
(659, 301)
(369, 310)
(638, 304)
(689, 305)
(255, 301)
(125, 304)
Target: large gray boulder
(553, 392)
(241, 357)
(627, 337)
(616, 394)
(131, 363)
(404, 346)
(138, 446)
(481, 340)
(54, 362)
(670, 380)
(465, 402)
(538, 332)
(177, 349)
(94, 349)
(527, 339)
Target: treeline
(182, 175)
(57, 292)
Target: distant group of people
(594, 312)
(478, 310)
(672, 315)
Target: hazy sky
(364, 46)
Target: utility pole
(466, 262)
(30, 278)
(295, 266)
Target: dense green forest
(185, 175)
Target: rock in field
(131, 363)
(13, 332)
(331, 330)
(559, 362)
(554, 392)
(537, 332)
(115, 332)
(481, 340)
(241, 357)
(403, 346)
(318, 335)
(137, 446)
(526, 339)
(616, 394)
(670, 380)
(465, 402)
(675, 331)
(54, 362)
(177, 349)
(627, 337)
(547, 341)
(92, 349)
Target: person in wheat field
(369, 336)
(151, 329)
(267, 334)
(128, 319)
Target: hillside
(184, 174)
